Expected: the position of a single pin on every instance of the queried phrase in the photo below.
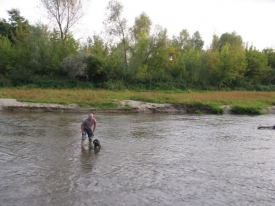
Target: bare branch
(65, 13)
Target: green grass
(127, 106)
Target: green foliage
(116, 26)
(216, 110)
(257, 66)
(140, 58)
(127, 106)
(20, 76)
(39, 51)
(270, 53)
(96, 47)
(96, 70)
(199, 108)
(6, 55)
(84, 67)
(196, 41)
(5, 82)
(75, 66)
(5, 29)
(232, 39)
(59, 83)
(16, 19)
(183, 41)
(232, 65)
(114, 85)
(141, 28)
(246, 110)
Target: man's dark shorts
(90, 134)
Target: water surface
(146, 159)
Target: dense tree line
(141, 56)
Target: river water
(145, 159)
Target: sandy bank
(125, 106)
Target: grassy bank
(109, 99)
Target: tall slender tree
(65, 14)
(116, 26)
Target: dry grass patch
(105, 98)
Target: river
(145, 159)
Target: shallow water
(145, 159)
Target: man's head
(91, 116)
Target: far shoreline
(124, 106)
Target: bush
(199, 107)
(4, 82)
(60, 83)
(75, 66)
(20, 76)
(114, 85)
(246, 110)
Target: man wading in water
(88, 127)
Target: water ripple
(154, 159)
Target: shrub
(199, 107)
(246, 110)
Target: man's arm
(94, 127)
(82, 128)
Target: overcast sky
(253, 20)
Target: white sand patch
(13, 103)
(146, 107)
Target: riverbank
(124, 106)
(175, 101)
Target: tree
(196, 41)
(65, 14)
(19, 38)
(157, 40)
(5, 28)
(157, 54)
(257, 69)
(270, 53)
(211, 67)
(215, 42)
(6, 55)
(57, 50)
(15, 18)
(38, 50)
(96, 47)
(230, 38)
(142, 27)
(140, 34)
(232, 65)
(116, 25)
(8, 28)
(183, 41)
(227, 61)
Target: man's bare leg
(82, 143)
(90, 145)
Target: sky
(251, 19)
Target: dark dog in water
(266, 127)
(96, 143)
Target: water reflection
(88, 158)
(145, 160)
